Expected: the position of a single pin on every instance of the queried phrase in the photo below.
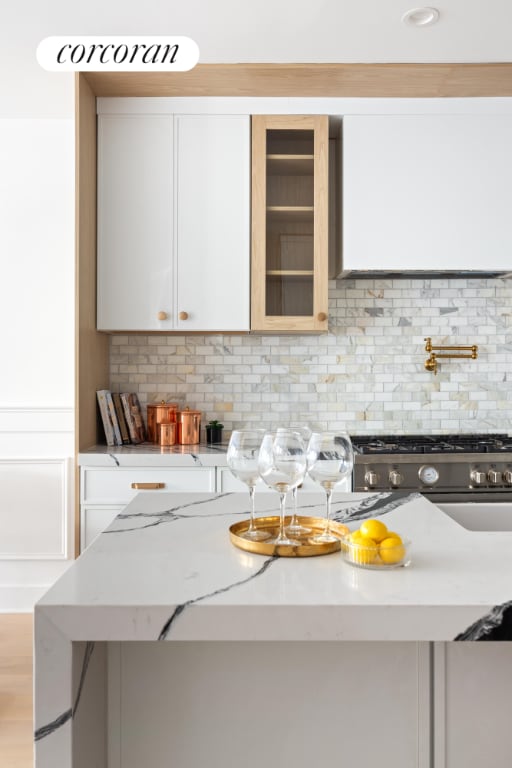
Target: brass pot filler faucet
(431, 361)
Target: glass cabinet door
(289, 223)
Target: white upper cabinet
(173, 222)
(427, 192)
(212, 236)
(135, 222)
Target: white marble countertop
(150, 454)
(165, 569)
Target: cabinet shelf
(290, 212)
(290, 273)
(290, 165)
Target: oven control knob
(395, 478)
(478, 478)
(507, 476)
(428, 475)
(494, 477)
(371, 478)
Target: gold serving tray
(305, 548)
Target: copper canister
(189, 426)
(158, 413)
(167, 432)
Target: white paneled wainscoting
(36, 501)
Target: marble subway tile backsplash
(366, 375)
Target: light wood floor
(16, 719)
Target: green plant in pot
(214, 432)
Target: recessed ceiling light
(421, 17)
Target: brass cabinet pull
(162, 316)
(183, 315)
(147, 486)
(321, 316)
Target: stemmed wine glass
(330, 460)
(242, 459)
(282, 465)
(295, 527)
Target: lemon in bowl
(362, 550)
(374, 529)
(392, 550)
(374, 546)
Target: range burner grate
(404, 444)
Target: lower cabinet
(472, 692)
(275, 704)
(93, 520)
(105, 491)
(392, 705)
(226, 482)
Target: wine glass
(330, 460)
(295, 527)
(282, 465)
(242, 459)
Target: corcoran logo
(117, 54)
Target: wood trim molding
(91, 357)
(258, 219)
(321, 223)
(341, 80)
(92, 364)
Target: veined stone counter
(153, 455)
(165, 570)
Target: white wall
(36, 386)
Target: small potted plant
(214, 432)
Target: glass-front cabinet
(289, 222)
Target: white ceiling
(230, 31)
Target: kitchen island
(139, 659)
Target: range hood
(422, 274)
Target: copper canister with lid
(189, 426)
(167, 433)
(159, 413)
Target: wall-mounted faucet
(431, 361)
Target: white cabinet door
(173, 222)
(472, 684)
(212, 182)
(427, 192)
(105, 491)
(135, 222)
(94, 520)
(352, 705)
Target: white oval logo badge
(117, 54)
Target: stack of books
(122, 417)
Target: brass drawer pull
(147, 486)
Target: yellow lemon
(355, 535)
(374, 529)
(393, 535)
(392, 550)
(363, 550)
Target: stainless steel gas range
(445, 468)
